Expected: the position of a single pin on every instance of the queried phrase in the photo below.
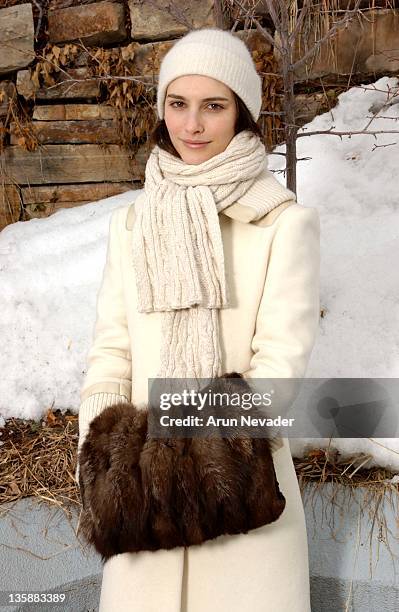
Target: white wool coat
(269, 329)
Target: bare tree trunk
(290, 128)
(222, 14)
(287, 32)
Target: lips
(195, 145)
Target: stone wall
(78, 84)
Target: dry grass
(39, 460)
(347, 487)
(326, 466)
(319, 466)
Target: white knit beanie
(217, 54)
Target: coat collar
(266, 191)
(265, 194)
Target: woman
(257, 274)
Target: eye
(218, 106)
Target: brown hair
(160, 135)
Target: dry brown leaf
(14, 488)
(316, 454)
(51, 419)
(56, 51)
(35, 78)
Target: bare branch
(266, 34)
(349, 133)
(103, 78)
(337, 26)
(271, 113)
(259, 27)
(298, 25)
(387, 104)
(384, 117)
(273, 14)
(372, 87)
(39, 23)
(389, 144)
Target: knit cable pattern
(178, 250)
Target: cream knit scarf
(178, 250)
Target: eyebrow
(203, 100)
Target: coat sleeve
(288, 315)
(108, 377)
(109, 359)
(89, 409)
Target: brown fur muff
(140, 493)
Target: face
(199, 109)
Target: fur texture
(140, 493)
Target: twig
(30, 552)
(354, 562)
(348, 133)
(259, 27)
(347, 17)
(299, 22)
(39, 23)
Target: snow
(51, 269)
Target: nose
(193, 122)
